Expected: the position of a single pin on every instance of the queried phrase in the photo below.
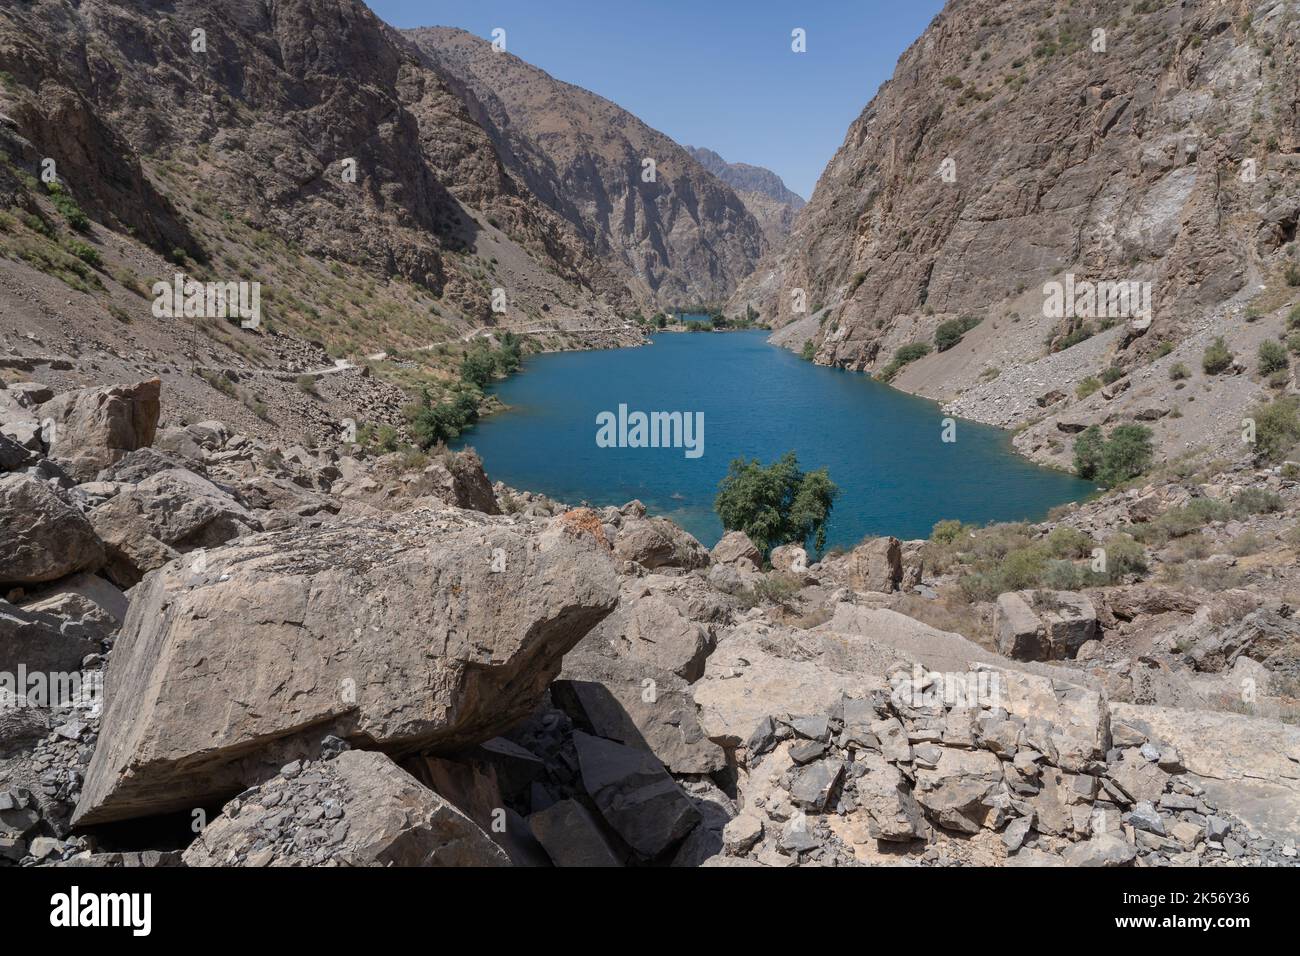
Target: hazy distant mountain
(773, 204)
(684, 238)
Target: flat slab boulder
(635, 795)
(759, 669)
(399, 632)
(636, 705)
(96, 427)
(359, 809)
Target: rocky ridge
(681, 239)
(772, 203)
(1110, 142)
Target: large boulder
(168, 513)
(658, 543)
(403, 632)
(13, 455)
(42, 537)
(635, 795)
(736, 548)
(635, 704)
(1044, 625)
(653, 629)
(789, 559)
(959, 791)
(359, 809)
(95, 427)
(876, 565)
(38, 642)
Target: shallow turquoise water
(882, 447)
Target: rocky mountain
(680, 239)
(304, 146)
(1019, 146)
(773, 204)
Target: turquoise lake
(883, 448)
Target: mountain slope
(685, 238)
(229, 158)
(762, 191)
(1123, 165)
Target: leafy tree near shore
(778, 504)
(1123, 456)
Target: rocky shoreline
(258, 654)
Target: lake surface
(883, 448)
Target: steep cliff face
(268, 107)
(1016, 144)
(681, 239)
(762, 191)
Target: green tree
(1126, 454)
(478, 367)
(510, 355)
(778, 504)
(1087, 452)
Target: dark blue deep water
(882, 447)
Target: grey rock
(635, 795)
(42, 537)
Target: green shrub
(86, 253)
(1272, 357)
(67, 207)
(1217, 357)
(946, 532)
(1124, 557)
(1067, 542)
(1087, 451)
(903, 356)
(1293, 319)
(1112, 375)
(1087, 387)
(951, 332)
(1256, 501)
(1178, 372)
(1277, 428)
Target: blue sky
(715, 73)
